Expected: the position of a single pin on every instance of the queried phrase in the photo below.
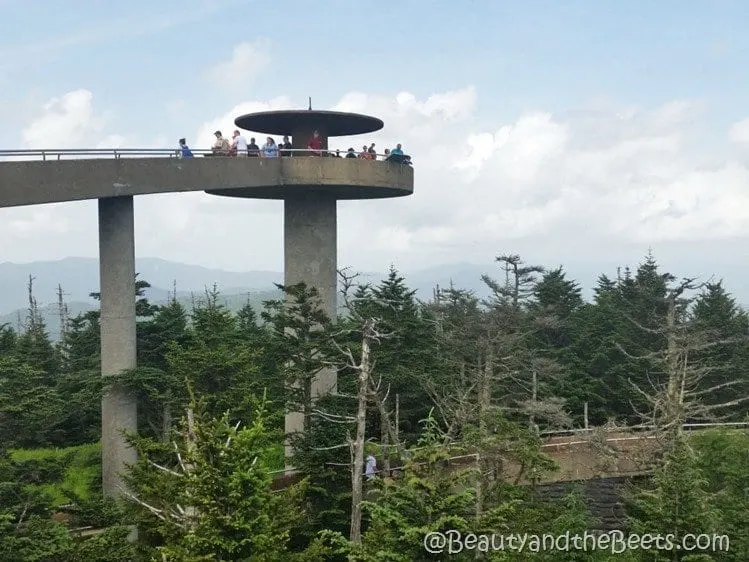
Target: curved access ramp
(91, 176)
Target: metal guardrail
(629, 428)
(57, 154)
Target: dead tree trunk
(191, 439)
(397, 417)
(166, 422)
(485, 397)
(534, 399)
(357, 471)
(585, 415)
(384, 435)
(673, 364)
(485, 376)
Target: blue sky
(571, 131)
(519, 55)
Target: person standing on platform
(184, 150)
(221, 147)
(253, 149)
(239, 144)
(315, 144)
(286, 147)
(270, 149)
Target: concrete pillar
(310, 256)
(118, 352)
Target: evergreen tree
(677, 503)
(33, 346)
(723, 458)
(425, 498)
(407, 356)
(8, 338)
(716, 315)
(213, 359)
(300, 343)
(214, 499)
(30, 408)
(79, 380)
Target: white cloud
(248, 60)
(225, 123)
(71, 121)
(739, 132)
(611, 175)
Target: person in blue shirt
(396, 155)
(185, 151)
(270, 149)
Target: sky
(577, 133)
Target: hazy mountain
(80, 276)
(52, 318)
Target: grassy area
(76, 470)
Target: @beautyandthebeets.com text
(616, 542)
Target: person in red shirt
(315, 144)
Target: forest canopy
(420, 382)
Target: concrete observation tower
(310, 210)
(309, 185)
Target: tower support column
(310, 257)
(118, 339)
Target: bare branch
(163, 468)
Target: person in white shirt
(239, 144)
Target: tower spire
(310, 103)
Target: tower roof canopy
(329, 123)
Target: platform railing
(56, 154)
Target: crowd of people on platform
(238, 146)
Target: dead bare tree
(367, 327)
(677, 392)
(185, 517)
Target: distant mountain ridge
(80, 276)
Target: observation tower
(310, 186)
(310, 209)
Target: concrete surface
(310, 257)
(37, 182)
(118, 342)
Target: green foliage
(493, 373)
(427, 497)
(214, 501)
(679, 501)
(300, 343)
(61, 473)
(723, 459)
(29, 405)
(27, 530)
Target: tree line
(419, 383)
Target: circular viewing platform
(290, 122)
